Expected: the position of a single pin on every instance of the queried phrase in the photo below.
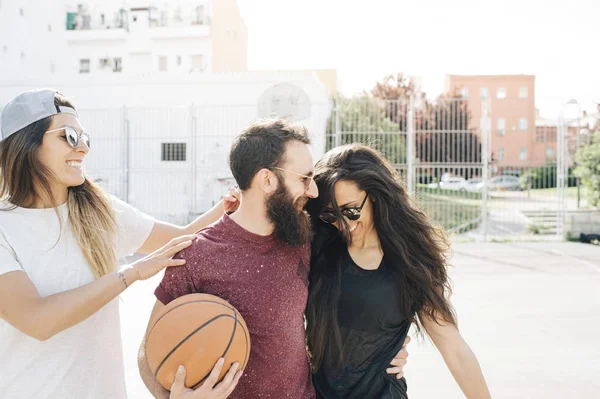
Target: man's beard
(292, 223)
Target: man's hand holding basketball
(207, 390)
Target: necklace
(367, 245)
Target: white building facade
(120, 37)
(162, 90)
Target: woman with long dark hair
(378, 266)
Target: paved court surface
(530, 312)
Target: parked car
(502, 183)
(452, 183)
(471, 185)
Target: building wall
(516, 138)
(328, 77)
(46, 38)
(31, 41)
(229, 38)
(131, 119)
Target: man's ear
(267, 180)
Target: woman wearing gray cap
(60, 238)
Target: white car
(452, 183)
(502, 183)
(471, 185)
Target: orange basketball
(196, 330)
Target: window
(173, 151)
(21, 12)
(523, 92)
(162, 63)
(84, 65)
(198, 15)
(523, 124)
(501, 93)
(49, 28)
(4, 48)
(178, 60)
(501, 154)
(484, 92)
(545, 134)
(464, 92)
(113, 64)
(550, 153)
(22, 56)
(104, 63)
(198, 62)
(118, 65)
(52, 67)
(501, 126)
(523, 154)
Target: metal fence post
(486, 126)
(125, 154)
(337, 125)
(410, 145)
(193, 156)
(561, 158)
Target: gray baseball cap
(27, 108)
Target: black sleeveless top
(373, 329)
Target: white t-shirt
(86, 360)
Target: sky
(558, 41)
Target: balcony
(174, 32)
(82, 25)
(95, 34)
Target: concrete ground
(529, 311)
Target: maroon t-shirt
(267, 281)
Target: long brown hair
(25, 181)
(406, 234)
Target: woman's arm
(43, 317)
(459, 357)
(162, 232)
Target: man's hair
(262, 145)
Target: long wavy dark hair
(416, 249)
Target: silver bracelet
(122, 276)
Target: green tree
(442, 132)
(588, 169)
(362, 119)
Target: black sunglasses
(72, 136)
(329, 216)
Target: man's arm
(147, 376)
(399, 361)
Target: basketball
(196, 330)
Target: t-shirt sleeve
(177, 280)
(8, 258)
(133, 226)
